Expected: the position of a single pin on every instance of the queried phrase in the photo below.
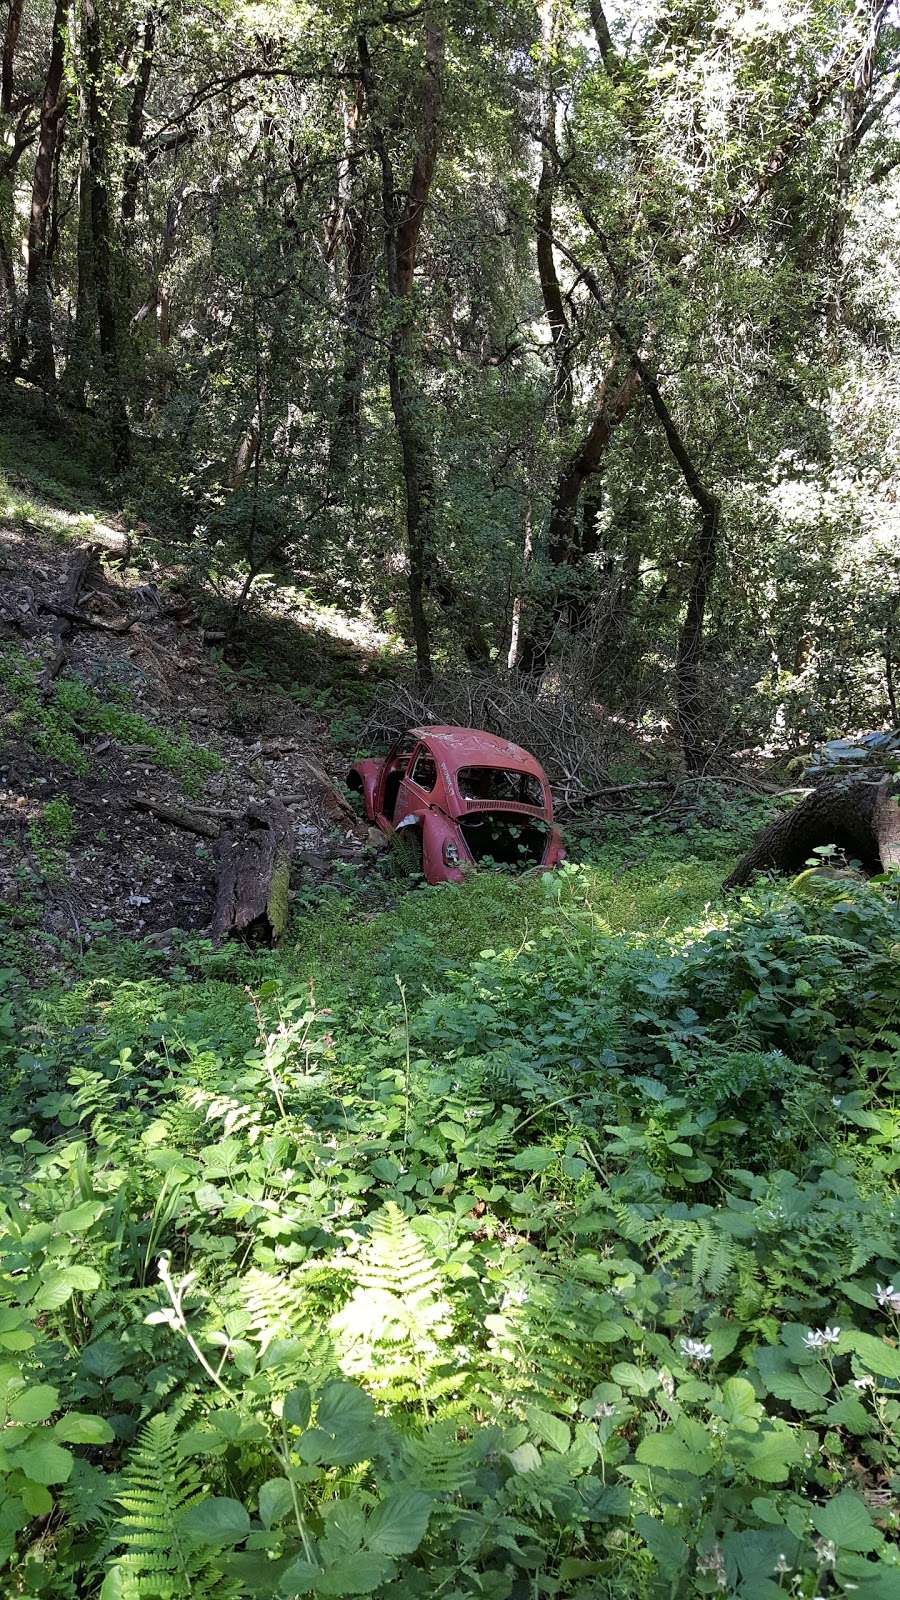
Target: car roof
(461, 747)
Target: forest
(379, 1219)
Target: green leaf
(525, 1457)
(849, 1412)
(398, 1524)
(81, 1217)
(77, 1428)
(666, 1546)
(755, 1552)
(113, 1584)
(44, 1461)
(216, 1521)
(847, 1522)
(34, 1405)
(275, 1501)
(357, 1574)
(666, 1450)
(875, 1354)
(37, 1500)
(771, 1454)
(57, 1287)
(549, 1429)
(299, 1578)
(343, 1431)
(297, 1406)
(534, 1158)
(740, 1406)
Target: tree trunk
(563, 539)
(689, 655)
(860, 815)
(81, 351)
(7, 67)
(254, 874)
(515, 629)
(135, 131)
(352, 240)
(101, 236)
(53, 110)
(402, 228)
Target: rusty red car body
(469, 795)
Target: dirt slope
(77, 857)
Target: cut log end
(859, 815)
(254, 858)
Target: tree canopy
(549, 333)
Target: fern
(158, 1487)
(711, 1258)
(439, 1461)
(549, 1340)
(393, 1329)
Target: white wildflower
(666, 1382)
(888, 1297)
(604, 1409)
(714, 1564)
(782, 1564)
(515, 1297)
(821, 1338)
(865, 1382)
(826, 1550)
(695, 1350)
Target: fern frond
(158, 1486)
(394, 1331)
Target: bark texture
(861, 815)
(102, 240)
(53, 111)
(254, 858)
(79, 567)
(403, 218)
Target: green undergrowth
(61, 724)
(537, 1238)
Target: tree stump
(79, 567)
(860, 815)
(254, 858)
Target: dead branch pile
(558, 724)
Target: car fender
(437, 830)
(363, 777)
(555, 853)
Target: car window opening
(424, 773)
(505, 840)
(500, 783)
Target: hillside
(146, 718)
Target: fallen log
(861, 816)
(79, 566)
(254, 858)
(83, 620)
(176, 816)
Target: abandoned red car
(462, 797)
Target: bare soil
(124, 870)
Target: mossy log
(254, 859)
(860, 815)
